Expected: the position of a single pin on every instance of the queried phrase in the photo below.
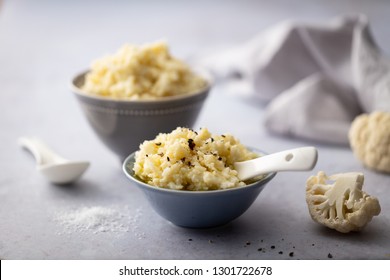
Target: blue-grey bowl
(122, 125)
(198, 209)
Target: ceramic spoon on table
(299, 159)
(55, 168)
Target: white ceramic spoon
(299, 159)
(54, 167)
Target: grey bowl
(122, 125)
(198, 209)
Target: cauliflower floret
(341, 205)
(369, 137)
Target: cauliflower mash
(141, 72)
(188, 160)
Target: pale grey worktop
(43, 43)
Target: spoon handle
(297, 159)
(42, 153)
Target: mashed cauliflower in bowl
(146, 72)
(189, 160)
(189, 179)
(138, 92)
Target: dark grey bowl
(122, 125)
(198, 209)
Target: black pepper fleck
(330, 256)
(212, 139)
(260, 249)
(211, 241)
(219, 158)
(280, 252)
(291, 254)
(158, 144)
(272, 247)
(189, 239)
(191, 144)
(168, 159)
(248, 243)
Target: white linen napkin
(315, 78)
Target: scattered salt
(96, 219)
(134, 221)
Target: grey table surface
(44, 43)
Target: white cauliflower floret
(369, 137)
(341, 205)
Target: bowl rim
(204, 90)
(264, 181)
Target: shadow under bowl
(198, 209)
(122, 125)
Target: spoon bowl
(203, 209)
(55, 168)
(198, 209)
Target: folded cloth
(315, 79)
